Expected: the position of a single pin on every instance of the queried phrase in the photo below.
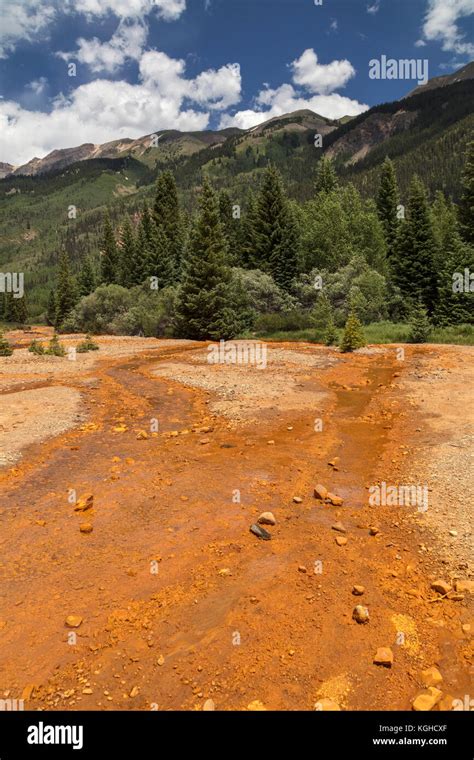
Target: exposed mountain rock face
(376, 129)
(458, 76)
(5, 169)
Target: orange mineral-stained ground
(129, 480)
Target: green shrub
(87, 345)
(36, 348)
(330, 335)
(5, 348)
(420, 327)
(292, 321)
(55, 348)
(353, 337)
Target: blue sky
(146, 65)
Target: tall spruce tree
(65, 291)
(166, 214)
(414, 259)
(230, 226)
(325, 180)
(51, 308)
(275, 231)
(207, 307)
(128, 245)
(138, 268)
(454, 305)
(466, 206)
(109, 260)
(160, 262)
(387, 204)
(87, 279)
(15, 309)
(247, 237)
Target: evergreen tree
(325, 180)
(109, 260)
(330, 335)
(65, 291)
(15, 309)
(353, 336)
(247, 237)
(128, 245)
(387, 204)
(51, 308)
(138, 268)
(466, 207)
(275, 230)
(321, 315)
(87, 282)
(414, 258)
(160, 262)
(207, 307)
(230, 227)
(5, 348)
(454, 305)
(166, 214)
(420, 327)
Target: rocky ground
(130, 578)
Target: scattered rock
(73, 621)
(334, 462)
(358, 590)
(426, 700)
(431, 677)
(204, 441)
(442, 587)
(256, 706)
(360, 614)
(373, 530)
(297, 499)
(464, 587)
(327, 705)
(260, 532)
(225, 571)
(446, 703)
(209, 706)
(28, 692)
(160, 661)
(336, 501)
(134, 692)
(302, 569)
(41, 523)
(84, 503)
(453, 533)
(142, 435)
(86, 527)
(267, 518)
(339, 527)
(320, 492)
(341, 540)
(384, 657)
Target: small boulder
(426, 700)
(327, 705)
(320, 492)
(260, 532)
(358, 590)
(384, 657)
(341, 540)
(297, 499)
(73, 621)
(442, 587)
(256, 706)
(336, 501)
(86, 527)
(360, 614)
(209, 705)
(464, 587)
(267, 518)
(431, 677)
(339, 527)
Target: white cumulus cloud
(311, 77)
(126, 43)
(105, 110)
(441, 25)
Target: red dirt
(175, 635)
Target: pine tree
(247, 238)
(420, 327)
(466, 207)
(51, 308)
(166, 214)
(353, 336)
(321, 315)
(414, 258)
(330, 334)
(138, 267)
(230, 227)
(387, 204)
(87, 281)
(275, 231)
(15, 309)
(206, 306)
(109, 260)
(456, 256)
(128, 246)
(65, 291)
(325, 180)
(5, 348)
(160, 262)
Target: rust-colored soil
(179, 602)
